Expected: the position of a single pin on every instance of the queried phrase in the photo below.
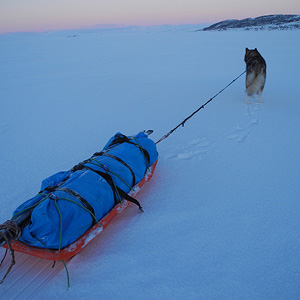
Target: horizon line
(103, 26)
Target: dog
(256, 70)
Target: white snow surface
(222, 211)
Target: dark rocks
(270, 22)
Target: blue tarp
(60, 218)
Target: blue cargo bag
(70, 202)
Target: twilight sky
(42, 15)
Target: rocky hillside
(270, 22)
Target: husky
(256, 74)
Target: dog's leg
(260, 92)
(248, 99)
(260, 97)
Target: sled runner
(75, 206)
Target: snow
(221, 216)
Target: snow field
(221, 216)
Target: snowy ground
(222, 210)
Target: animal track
(196, 147)
(241, 132)
(238, 137)
(187, 155)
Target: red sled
(74, 248)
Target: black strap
(143, 150)
(109, 180)
(52, 188)
(106, 176)
(123, 163)
(129, 198)
(119, 139)
(84, 202)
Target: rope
(202, 106)
(60, 221)
(98, 164)
(55, 198)
(9, 230)
(68, 277)
(32, 206)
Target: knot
(53, 197)
(10, 231)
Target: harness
(250, 63)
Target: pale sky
(43, 15)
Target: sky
(44, 15)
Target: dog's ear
(246, 50)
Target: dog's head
(251, 54)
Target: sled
(74, 248)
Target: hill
(269, 22)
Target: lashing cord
(202, 106)
(9, 230)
